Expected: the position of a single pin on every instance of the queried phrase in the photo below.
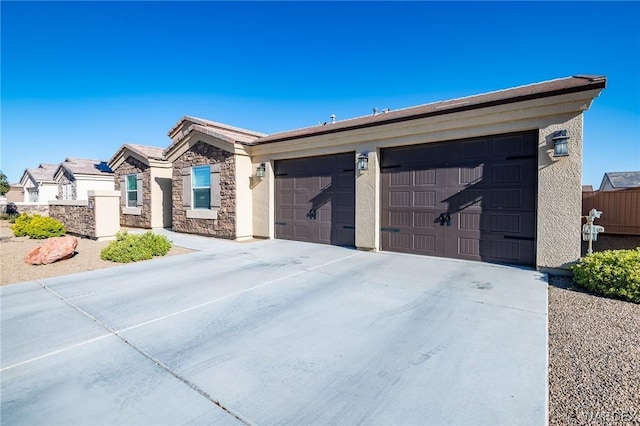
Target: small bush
(612, 273)
(36, 226)
(133, 248)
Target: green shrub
(613, 273)
(133, 248)
(36, 226)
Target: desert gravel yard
(14, 270)
(594, 358)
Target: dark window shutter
(123, 190)
(186, 186)
(140, 199)
(215, 187)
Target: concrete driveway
(277, 332)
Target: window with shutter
(201, 191)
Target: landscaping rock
(53, 250)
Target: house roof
(143, 151)
(148, 152)
(587, 188)
(84, 166)
(560, 86)
(42, 173)
(218, 130)
(622, 180)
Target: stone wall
(225, 225)
(129, 166)
(66, 178)
(30, 208)
(77, 217)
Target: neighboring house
(15, 194)
(615, 181)
(144, 179)
(77, 176)
(473, 178)
(39, 185)
(587, 188)
(211, 171)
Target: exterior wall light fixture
(560, 143)
(260, 170)
(363, 161)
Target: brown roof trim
(578, 83)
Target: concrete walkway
(277, 332)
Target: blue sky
(79, 79)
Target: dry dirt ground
(87, 258)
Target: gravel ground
(594, 357)
(87, 258)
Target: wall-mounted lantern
(560, 143)
(363, 161)
(260, 170)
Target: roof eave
(599, 83)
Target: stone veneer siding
(78, 219)
(29, 208)
(129, 166)
(225, 225)
(67, 177)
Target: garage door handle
(281, 223)
(444, 219)
(390, 229)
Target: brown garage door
(315, 199)
(467, 199)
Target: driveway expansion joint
(145, 354)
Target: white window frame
(194, 187)
(67, 191)
(188, 191)
(135, 191)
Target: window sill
(132, 211)
(202, 214)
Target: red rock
(54, 249)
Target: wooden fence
(620, 210)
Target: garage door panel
(424, 219)
(287, 214)
(324, 215)
(424, 243)
(424, 199)
(470, 175)
(315, 196)
(400, 199)
(300, 231)
(401, 178)
(486, 188)
(474, 149)
(514, 145)
(424, 177)
(506, 173)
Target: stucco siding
(559, 196)
(245, 179)
(86, 183)
(559, 178)
(160, 195)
